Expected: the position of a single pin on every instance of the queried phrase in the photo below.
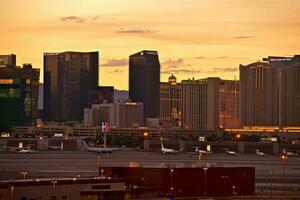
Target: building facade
(100, 113)
(8, 60)
(229, 97)
(119, 114)
(170, 103)
(270, 92)
(129, 114)
(19, 89)
(144, 81)
(194, 104)
(69, 79)
(210, 104)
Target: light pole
(284, 159)
(98, 161)
(205, 169)
(271, 185)
(144, 181)
(102, 172)
(224, 186)
(53, 185)
(172, 170)
(11, 192)
(24, 174)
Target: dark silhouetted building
(144, 81)
(19, 89)
(103, 94)
(8, 60)
(69, 79)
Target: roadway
(67, 164)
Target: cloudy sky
(194, 38)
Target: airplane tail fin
(84, 144)
(162, 145)
(283, 150)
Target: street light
(11, 192)
(233, 190)
(224, 186)
(53, 184)
(102, 172)
(144, 181)
(24, 174)
(98, 161)
(205, 169)
(172, 170)
(284, 159)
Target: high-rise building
(98, 113)
(170, 103)
(129, 114)
(258, 96)
(103, 94)
(19, 89)
(270, 92)
(144, 81)
(194, 104)
(229, 97)
(120, 114)
(210, 104)
(8, 60)
(69, 80)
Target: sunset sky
(194, 38)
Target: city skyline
(192, 39)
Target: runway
(68, 164)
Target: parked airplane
(97, 149)
(27, 151)
(167, 150)
(54, 148)
(11, 149)
(288, 153)
(198, 150)
(259, 153)
(233, 153)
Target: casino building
(19, 88)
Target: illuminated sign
(5, 134)
(130, 103)
(279, 59)
(27, 81)
(6, 81)
(151, 53)
(104, 127)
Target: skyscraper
(258, 95)
(270, 92)
(19, 89)
(229, 100)
(144, 81)
(194, 104)
(8, 60)
(69, 78)
(210, 104)
(170, 103)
